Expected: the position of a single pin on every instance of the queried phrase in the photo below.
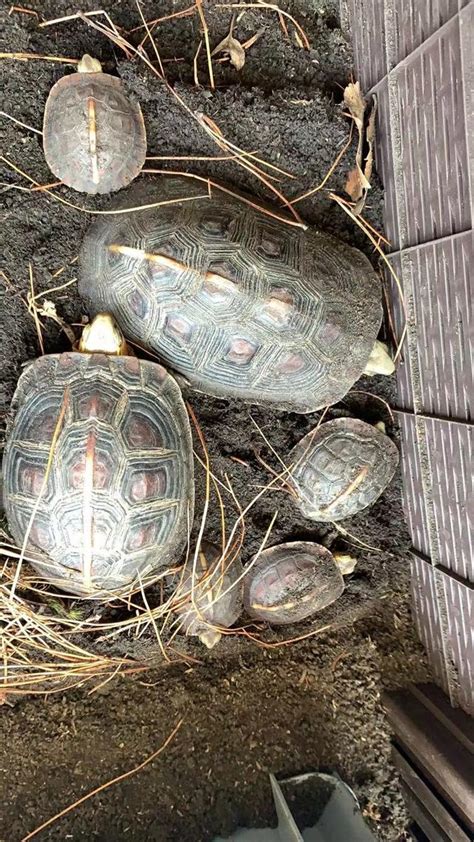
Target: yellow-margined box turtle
(341, 468)
(239, 303)
(290, 582)
(93, 136)
(98, 467)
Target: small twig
(205, 33)
(22, 11)
(82, 15)
(283, 25)
(41, 187)
(29, 56)
(33, 310)
(63, 268)
(19, 123)
(149, 35)
(101, 788)
(380, 237)
(287, 642)
(192, 157)
(358, 541)
(191, 10)
(195, 65)
(55, 289)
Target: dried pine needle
(105, 785)
(32, 56)
(205, 32)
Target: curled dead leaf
(353, 186)
(358, 180)
(232, 48)
(355, 103)
(370, 137)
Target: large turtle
(93, 136)
(238, 302)
(98, 466)
(340, 468)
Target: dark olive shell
(341, 468)
(239, 303)
(87, 109)
(290, 582)
(117, 498)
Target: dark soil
(247, 710)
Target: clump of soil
(247, 710)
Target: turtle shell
(93, 135)
(238, 302)
(341, 468)
(209, 593)
(289, 582)
(116, 500)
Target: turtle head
(380, 361)
(103, 336)
(88, 64)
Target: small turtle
(98, 466)
(237, 302)
(209, 595)
(340, 468)
(289, 582)
(93, 135)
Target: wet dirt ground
(247, 710)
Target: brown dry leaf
(353, 186)
(233, 48)
(358, 180)
(355, 103)
(370, 137)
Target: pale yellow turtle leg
(210, 637)
(88, 64)
(380, 361)
(346, 563)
